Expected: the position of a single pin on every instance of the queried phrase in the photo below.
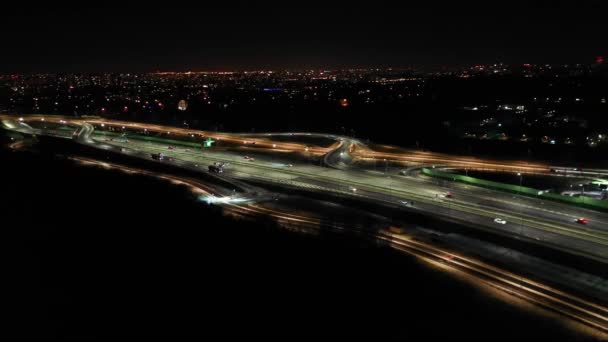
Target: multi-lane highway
(273, 159)
(550, 223)
(579, 309)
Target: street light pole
(308, 153)
(521, 178)
(390, 189)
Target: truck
(157, 156)
(216, 168)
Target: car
(289, 165)
(249, 158)
(216, 169)
(446, 195)
(352, 189)
(582, 220)
(500, 221)
(157, 156)
(171, 147)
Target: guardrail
(589, 203)
(149, 138)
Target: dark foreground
(97, 255)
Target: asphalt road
(479, 272)
(545, 222)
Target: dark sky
(175, 35)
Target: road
(476, 271)
(549, 223)
(546, 223)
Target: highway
(271, 161)
(475, 271)
(550, 223)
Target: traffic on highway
(246, 172)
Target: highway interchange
(340, 167)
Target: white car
(352, 189)
(500, 221)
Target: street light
(385, 166)
(390, 194)
(374, 158)
(521, 178)
(307, 153)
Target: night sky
(228, 35)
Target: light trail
(568, 305)
(576, 308)
(551, 226)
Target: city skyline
(238, 36)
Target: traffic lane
(349, 174)
(597, 218)
(444, 207)
(511, 228)
(496, 201)
(596, 223)
(281, 175)
(541, 208)
(546, 209)
(191, 165)
(513, 206)
(278, 173)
